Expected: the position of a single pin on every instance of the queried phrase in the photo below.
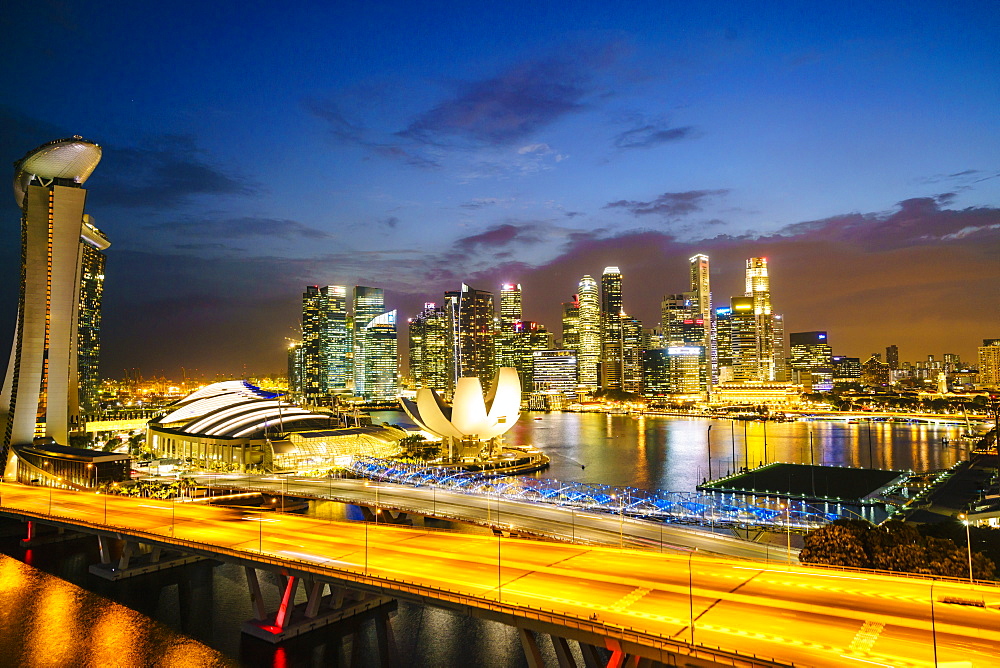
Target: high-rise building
(683, 326)
(724, 343)
(510, 304)
(989, 364)
(295, 368)
(846, 369)
(892, 356)
(369, 303)
(516, 348)
(632, 347)
(472, 335)
(325, 342)
(88, 347)
(555, 371)
(381, 358)
(702, 295)
(430, 348)
(611, 329)
(673, 370)
(778, 347)
(875, 372)
(758, 288)
(571, 324)
(589, 331)
(743, 340)
(41, 385)
(811, 360)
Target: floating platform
(806, 482)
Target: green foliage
(893, 546)
(617, 395)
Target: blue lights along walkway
(730, 510)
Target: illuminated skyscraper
(517, 346)
(758, 288)
(42, 380)
(429, 348)
(811, 360)
(381, 358)
(369, 303)
(632, 347)
(510, 304)
(589, 331)
(611, 329)
(472, 335)
(325, 342)
(989, 364)
(89, 326)
(724, 343)
(743, 340)
(684, 327)
(892, 356)
(555, 371)
(571, 324)
(702, 293)
(778, 347)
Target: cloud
(668, 205)
(481, 203)
(650, 135)
(498, 236)
(390, 222)
(242, 228)
(508, 107)
(166, 173)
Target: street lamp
(708, 447)
(968, 541)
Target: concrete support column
(287, 602)
(127, 552)
(314, 599)
(104, 546)
(563, 655)
(256, 600)
(386, 642)
(591, 659)
(530, 646)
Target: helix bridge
(704, 509)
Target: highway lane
(809, 616)
(560, 522)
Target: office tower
(510, 304)
(555, 371)
(380, 358)
(989, 364)
(778, 347)
(702, 295)
(811, 361)
(515, 348)
(743, 340)
(369, 303)
(875, 372)
(846, 369)
(683, 326)
(652, 338)
(325, 342)
(758, 288)
(724, 343)
(589, 331)
(673, 370)
(892, 356)
(571, 324)
(632, 347)
(611, 329)
(472, 335)
(89, 326)
(42, 380)
(429, 348)
(295, 368)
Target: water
(54, 613)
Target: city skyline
(851, 146)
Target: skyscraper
(472, 335)
(571, 324)
(758, 288)
(743, 340)
(632, 347)
(92, 262)
(724, 343)
(611, 329)
(429, 348)
(510, 304)
(555, 371)
(811, 360)
(42, 380)
(325, 342)
(778, 347)
(989, 364)
(369, 303)
(589, 331)
(892, 356)
(380, 358)
(702, 294)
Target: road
(559, 522)
(812, 617)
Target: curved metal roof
(71, 158)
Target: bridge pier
(136, 559)
(385, 516)
(35, 537)
(319, 609)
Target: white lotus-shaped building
(472, 420)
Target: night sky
(253, 148)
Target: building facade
(472, 333)
(611, 329)
(589, 332)
(429, 348)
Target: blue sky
(254, 148)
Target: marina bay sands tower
(57, 243)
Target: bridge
(506, 513)
(669, 608)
